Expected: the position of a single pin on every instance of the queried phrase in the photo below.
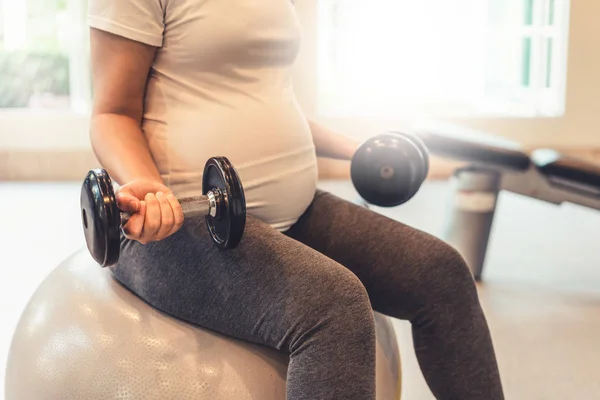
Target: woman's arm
(330, 144)
(120, 70)
(119, 73)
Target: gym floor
(541, 292)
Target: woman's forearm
(121, 148)
(332, 145)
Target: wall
(44, 146)
(63, 148)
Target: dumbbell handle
(196, 206)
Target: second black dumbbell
(389, 169)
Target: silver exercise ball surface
(85, 336)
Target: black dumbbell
(389, 169)
(223, 205)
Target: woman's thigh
(403, 268)
(270, 289)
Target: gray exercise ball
(84, 336)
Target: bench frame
(475, 193)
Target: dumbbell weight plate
(227, 227)
(422, 147)
(101, 218)
(387, 170)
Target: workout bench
(493, 165)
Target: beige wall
(577, 132)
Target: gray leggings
(311, 292)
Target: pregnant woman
(179, 81)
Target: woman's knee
(336, 305)
(433, 275)
(348, 298)
(445, 277)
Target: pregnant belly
(270, 147)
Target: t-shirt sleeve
(139, 20)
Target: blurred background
(524, 70)
(499, 66)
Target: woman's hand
(155, 212)
(330, 144)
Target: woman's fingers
(178, 217)
(128, 202)
(134, 227)
(167, 217)
(153, 216)
(153, 219)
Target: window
(44, 55)
(467, 58)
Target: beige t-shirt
(221, 86)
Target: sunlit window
(43, 55)
(397, 58)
